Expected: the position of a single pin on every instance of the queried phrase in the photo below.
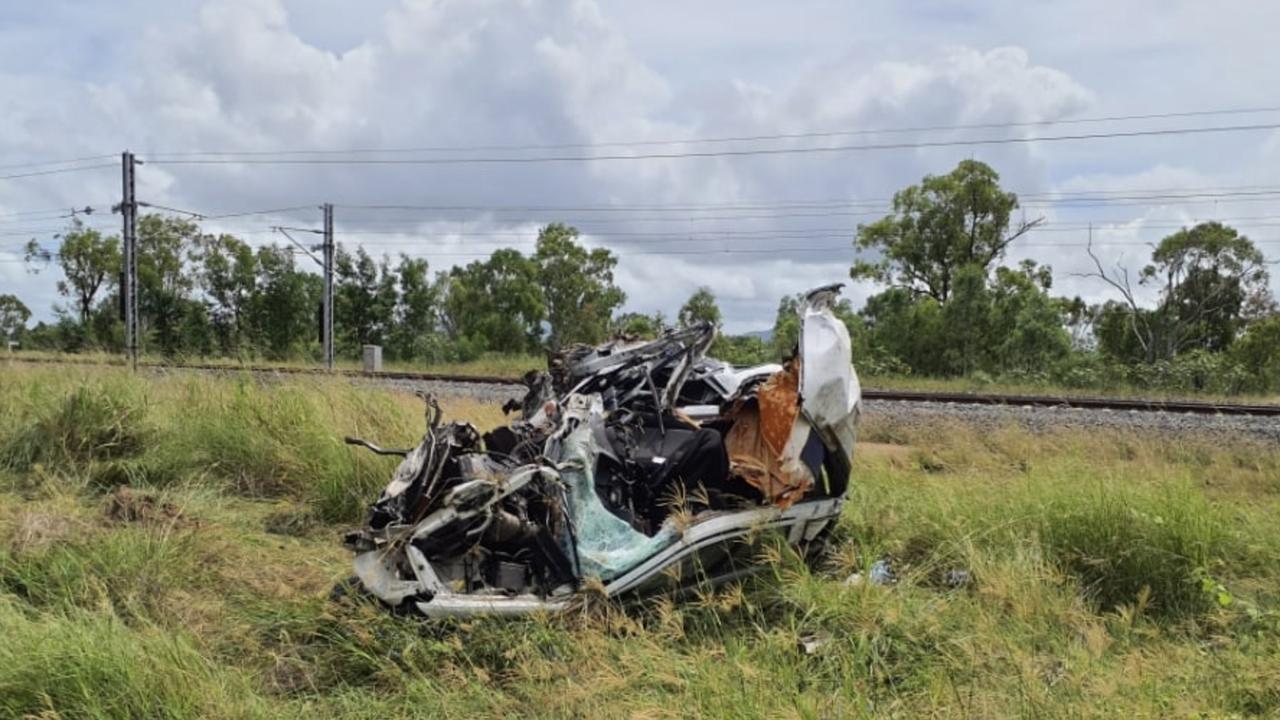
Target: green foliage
(89, 263)
(166, 312)
(908, 328)
(951, 309)
(262, 440)
(577, 286)
(496, 304)
(13, 317)
(639, 325)
(283, 312)
(700, 307)
(937, 228)
(365, 300)
(1212, 281)
(1257, 352)
(91, 422)
(1111, 577)
(966, 317)
(742, 350)
(94, 665)
(1120, 545)
(414, 334)
(1112, 574)
(229, 277)
(1026, 324)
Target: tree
(364, 299)
(496, 304)
(416, 311)
(88, 261)
(577, 285)
(639, 325)
(1258, 352)
(907, 330)
(13, 317)
(785, 335)
(786, 326)
(1212, 280)
(281, 312)
(164, 280)
(741, 350)
(1027, 328)
(966, 322)
(228, 275)
(700, 307)
(943, 224)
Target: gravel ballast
(1047, 418)
(918, 412)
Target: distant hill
(764, 335)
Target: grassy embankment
(1111, 575)
(514, 366)
(495, 365)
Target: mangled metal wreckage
(640, 464)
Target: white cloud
(263, 75)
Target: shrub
(91, 422)
(1119, 542)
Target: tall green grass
(255, 438)
(1105, 574)
(85, 664)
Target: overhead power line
(1024, 198)
(500, 160)
(58, 170)
(729, 139)
(42, 163)
(59, 212)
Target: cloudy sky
(186, 80)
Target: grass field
(494, 365)
(1110, 575)
(514, 366)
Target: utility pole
(325, 261)
(327, 310)
(129, 235)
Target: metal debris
(632, 467)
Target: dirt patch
(888, 451)
(294, 522)
(128, 506)
(34, 530)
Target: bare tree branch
(1125, 288)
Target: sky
(452, 79)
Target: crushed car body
(634, 467)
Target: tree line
(202, 294)
(948, 306)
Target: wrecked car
(634, 467)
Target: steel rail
(1115, 404)
(1195, 407)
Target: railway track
(1192, 407)
(1186, 407)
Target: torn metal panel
(630, 463)
(829, 384)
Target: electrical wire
(742, 138)
(499, 160)
(55, 172)
(42, 163)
